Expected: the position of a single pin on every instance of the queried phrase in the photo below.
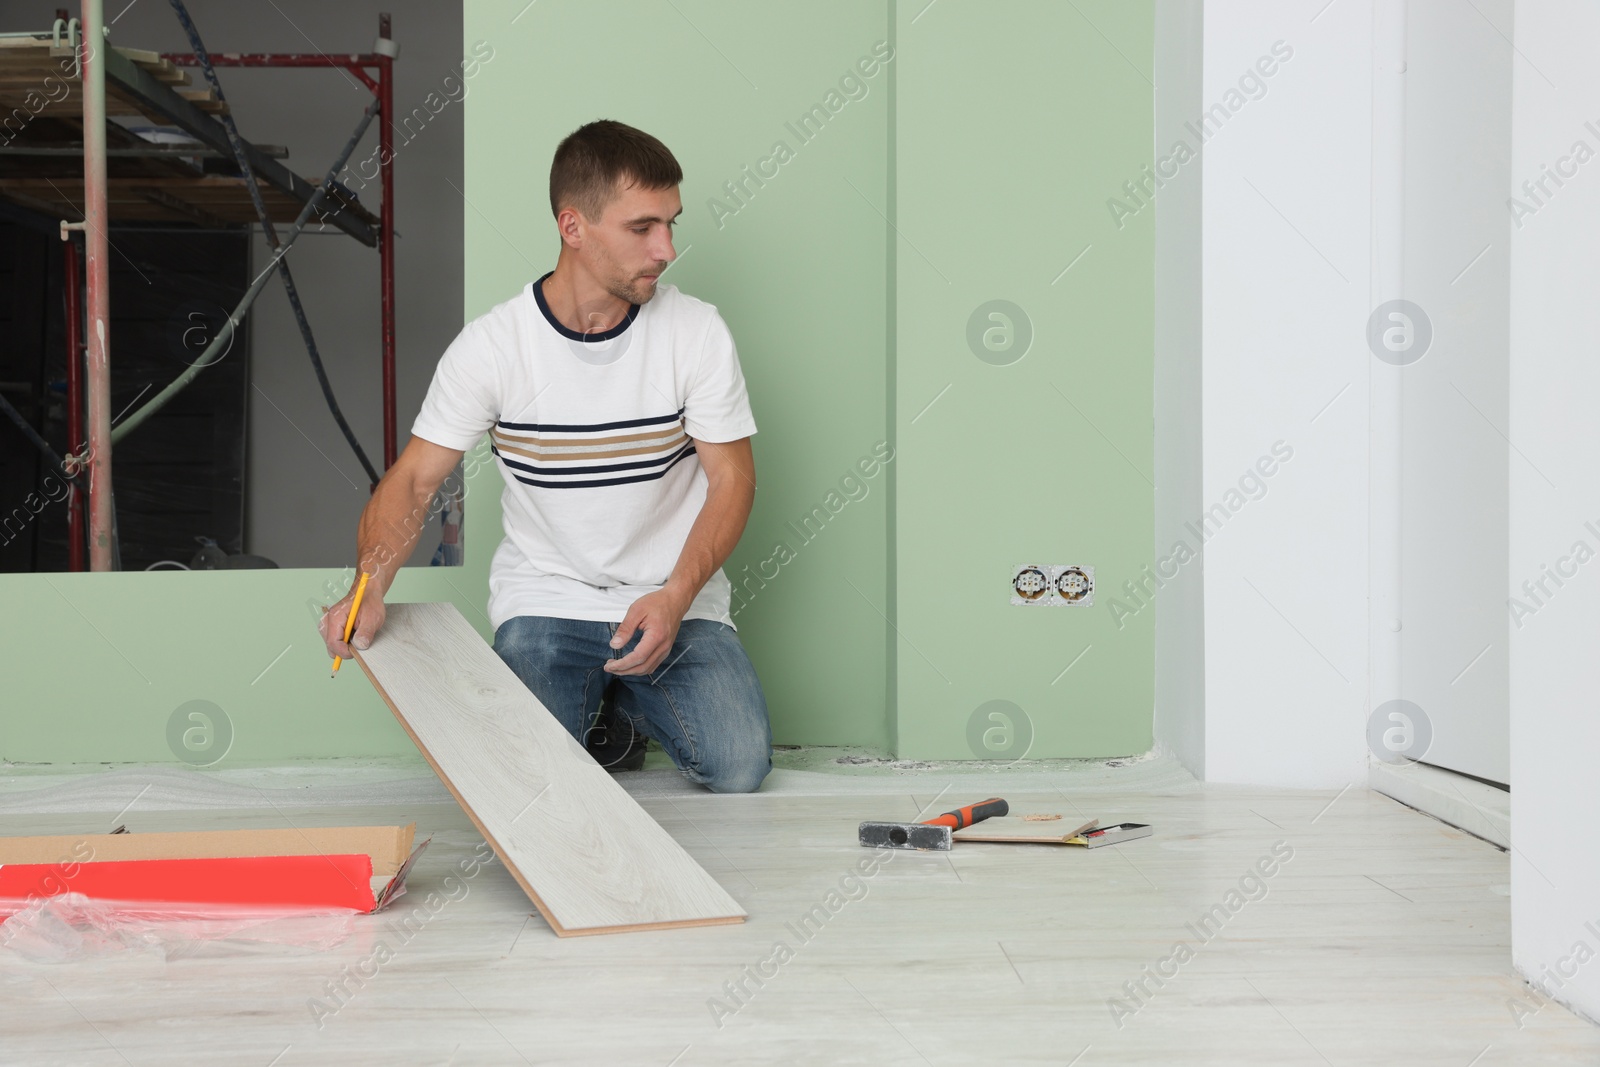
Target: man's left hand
(658, 615)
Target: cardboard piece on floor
(387, 845)
(277, 869)
(588, 856)
(1013, 829)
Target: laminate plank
(588, 856)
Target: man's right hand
(390, 524)
(368, 623)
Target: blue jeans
(703, 704)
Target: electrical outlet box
(1075, 585)
(1052, 585)
(1031, 583)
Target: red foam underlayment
(273, 881)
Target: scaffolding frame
(381, 62)
(91, 381)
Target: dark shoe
(614, 743)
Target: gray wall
(305, 487)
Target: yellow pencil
(350, 623)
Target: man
(620, 423)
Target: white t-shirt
(593, 438)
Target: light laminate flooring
(1384, 938)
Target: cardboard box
(314, 868)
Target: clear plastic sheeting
(72, 927)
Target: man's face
(631, 244)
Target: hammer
(931, 835)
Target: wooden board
(591, 860)
(41, 99)
(36, 66)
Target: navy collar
(574, 335)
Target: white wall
(1555, 393)
(305, 487)
(1372, 166)
(1294, 257)
(1180, 618)
(1453, 654)
(1286, 219)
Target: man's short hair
(594, 162)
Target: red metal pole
(97, 278)
(75, 512)
(386, 227)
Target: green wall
(97, 664)
(975, 166)
(797, 271)
(1015, 124)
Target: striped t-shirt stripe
(604, 468)
(566, 483)
(591, 448)
(568, 455)
(553, 427)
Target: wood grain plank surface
(588, 856)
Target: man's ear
(571, 225)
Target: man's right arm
(390, 525)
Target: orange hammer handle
(970, 814)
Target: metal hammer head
(915, 835)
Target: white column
(1555, 394)
(1285, 370)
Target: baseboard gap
(1458, 800)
